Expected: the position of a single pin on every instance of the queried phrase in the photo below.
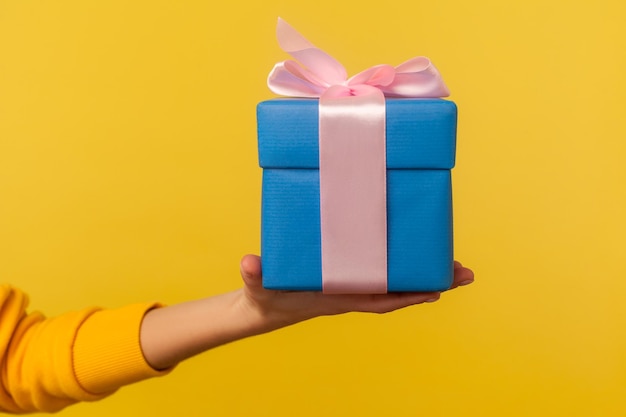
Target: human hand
(171, 334)
(277, 309)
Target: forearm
(172, 334)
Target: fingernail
(466, 282)
(431, 300)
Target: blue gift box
(420, 141)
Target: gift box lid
(420, 133)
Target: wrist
(265, 313)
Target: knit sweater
(47, 364)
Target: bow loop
(290, 79)
(417, 77)
(327, 68)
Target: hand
(171, 334)
(282, 308)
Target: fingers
(384, 303)
(462, 275)
(376, 303)
(390, 302)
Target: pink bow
(314, 73)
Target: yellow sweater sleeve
(47, 364)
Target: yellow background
(128, 173)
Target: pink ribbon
(352, 153)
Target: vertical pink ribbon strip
(353, 193)
(352, 146)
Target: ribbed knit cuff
(107, 350)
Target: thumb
(250, 268)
